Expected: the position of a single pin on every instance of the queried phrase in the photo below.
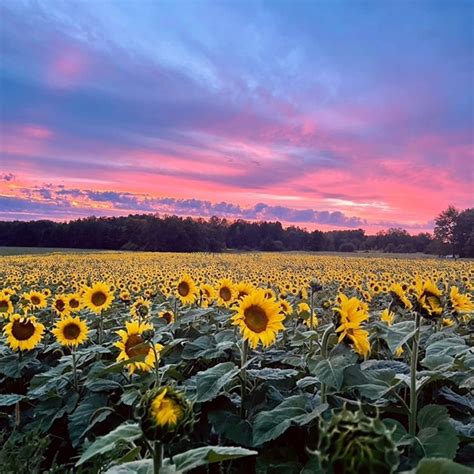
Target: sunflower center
(256, 318)
(98, 298)
(183, 288)
(135, 347)
(60, 305)
(73, 303)
(225, 293)
(71, 331)
(22, 330)
(3, 305)
(167, 317)
(35, 300)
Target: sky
(324, 114)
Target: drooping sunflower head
(186, 289)
(70, 331)
(259, 319)
(23, 332)
(98, 297)
(428, 297)
(133, 344)
(165, 414)
(460, 303)
(400, 296)
(285, 307)
(226, 292)
(351, 309)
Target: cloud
(58, 202)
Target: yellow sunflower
(98, 297)
(132, 345)
(70, 331)
(258, 319)
(208, 295)
(59, 305)
(23, 332)
(35, 299)
(168, 316)
(186, 289)
(428, 296)
(141, 308)
(226, 292)
(243, 289)
(165, 411)
(6, 306)
(400, 296)
(73, 302)
(387, 316)
(460, 303)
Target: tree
(445, 224)
(464, 233)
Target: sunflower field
(235, 363)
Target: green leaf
(436, 433)
(206, 455)
(439, 466)
(331, 370)
(294, 411)
(11, 399)
(441, 354)
(272, 374)
(232, 427)
(210, 382)
(124, 433)
(143, 466)
(396, 334)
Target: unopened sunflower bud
(352, 442)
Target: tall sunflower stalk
(413, 367)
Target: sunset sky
(323, 114)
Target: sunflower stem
(101, 328)
(243, 376)
(157, 369)
(157, 456)
(414, 363)
(324, 354)
(74, 369)
(311, 306)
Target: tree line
(454, 233)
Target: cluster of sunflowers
(134, 306)
(259, 308)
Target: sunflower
(243, 289)
(132, 345)
(447, 322)
(353, 313)
(208, 295)
(168, 316)
(59, 305)
(303, 308)
(186, 289)
(98, 297)
(428, 296)
(285, 307)
(23, 332)
(70, 331)
(6, 306)
(74, 302)
(141, 308)
(460, 303)
(165, 411)
(226, 292)
(387, 316)
(125, 295)
(312, 324)
(259, 319)
(35, 299)
(400, 296)
(165, 414)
